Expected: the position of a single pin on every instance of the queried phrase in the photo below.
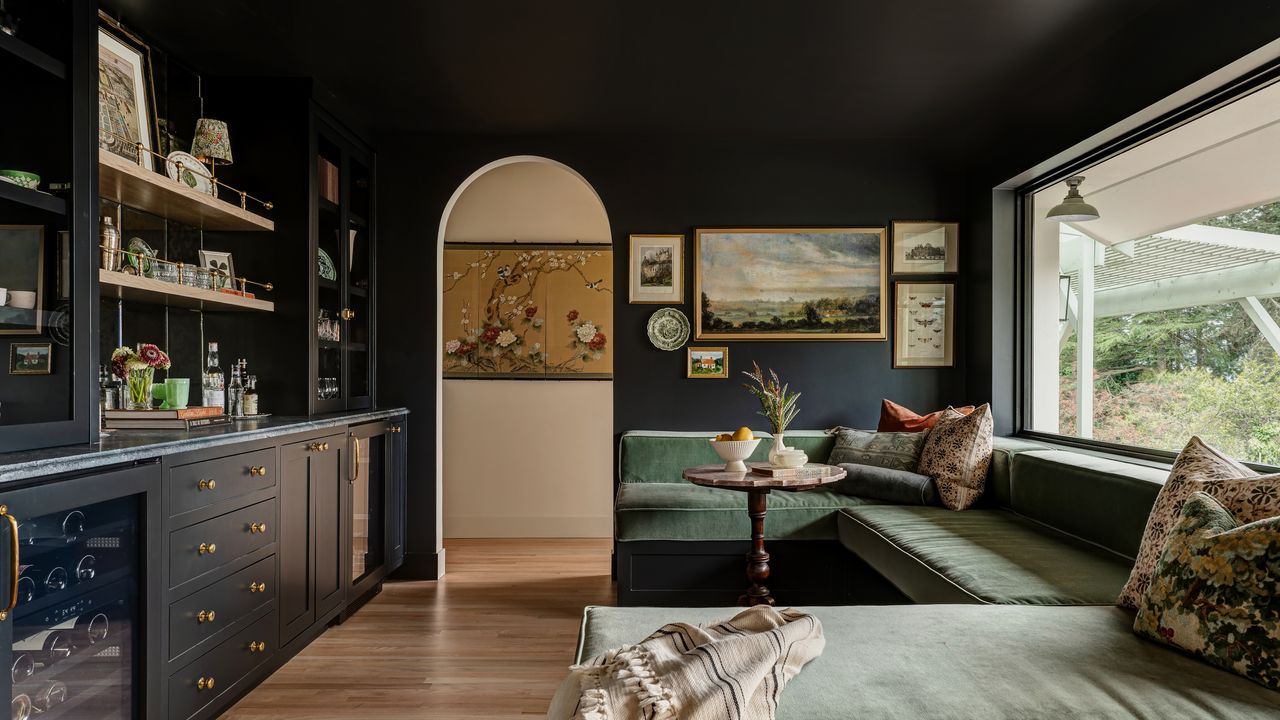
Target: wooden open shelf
(32, 198)
(123, 181)
(159, 292)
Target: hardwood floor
(491, 640)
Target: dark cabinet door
(329, 481)
(311, 530)
(398, 477)
(368, 498)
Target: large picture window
(1157, 320)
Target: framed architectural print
(707, 363)
(925, 248)
(790, 284)
(124, 93)
(657, 269)
(924, 324)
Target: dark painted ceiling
(833, 69)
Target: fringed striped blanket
(734, 670)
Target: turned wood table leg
(757, 559)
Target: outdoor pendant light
(1073, 207)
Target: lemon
(723, 437)
(743, 433)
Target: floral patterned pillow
(956, 455)
(1215, 589)
(1246, 494)
(893, 450)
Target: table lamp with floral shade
(212, 145)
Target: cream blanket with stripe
(732, 670)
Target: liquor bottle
(214, 382)
(251, 396)
(235, 392)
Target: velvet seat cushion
(926, 662)
(684, 511)
(994, 556)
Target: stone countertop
(124, 446)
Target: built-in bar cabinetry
(170, 586)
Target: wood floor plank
(491, 640)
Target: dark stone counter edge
(126, 446)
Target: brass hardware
(204, 683)
(257, 587)
(324, 446)
(395, 428)
(258, 471)
(256, 528)
(205, 616)
(347, 314)
(15, 567)
(207, 485)
(318, 446)
(257, 647)
(357, 458)
(207, 549)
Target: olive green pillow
(893, 450)
(1216, 589)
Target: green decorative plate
(328, 270)
(21, 178)
(668, 329)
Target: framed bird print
(924, 324)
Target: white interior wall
(527, 458)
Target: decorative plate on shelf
(21, 178)
(668, 329)
(328, 270)
(193, 173)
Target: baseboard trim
(590, 526)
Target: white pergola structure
(1148, 251)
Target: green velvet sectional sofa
(1002, 611)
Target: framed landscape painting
(924, 324)
(707, 363)
(657, 269)
(790, 284)
(925, 248)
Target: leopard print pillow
(957, 455)
(1199, 467)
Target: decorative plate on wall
(328, 270)
(668, 329)
(193, 173)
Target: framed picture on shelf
(707, 363)
(657, 269)
(125, 90)
(21, 279)
(221, 267)
(924, 324)
(790, 284)
(30, 358)
(925, 248)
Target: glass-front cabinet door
(330, 374)
(370, 464)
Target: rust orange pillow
(896, 418)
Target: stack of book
(809, 471)
(183, 419)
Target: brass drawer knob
(395, 428)
(318, 446)
(207, 548)
(257, 587)
(207, 485)
(204, 683)
(258, 471)
(257, 647)
(347, 313)
(324, 446)
(205, 616)
(256, 528)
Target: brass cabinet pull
(257, 587)
(356, 476)
(204, 683)
(395, 428)
(205, 616)
(324, 446)
(207, 548)
(256, 528)
(258, 471)
(318, 447)
(15, 568)
(207, 485)
(257, 647)
(347, 314)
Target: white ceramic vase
(779, 444)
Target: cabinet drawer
(204, 483)
(209, 678)
(209, 545)
(228, 601)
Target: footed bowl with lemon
(735, 447)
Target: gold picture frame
(811, 302)
(643, 290)
(126, 90)
(924, 322)
(926, 247)
(695, 366)
(36, 358)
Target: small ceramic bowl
(792, 458)
(733, 452)
(21, 178)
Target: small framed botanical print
(925, 248)
(708, 363)
(657, 269)
(30, 358)
(924, 324)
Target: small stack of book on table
(806, 472)
(188, 418)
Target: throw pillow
(1246, 494)
(956, 455)
(895, 486)
(896, 418)
(899, 451)
(1214, 590)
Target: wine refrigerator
(76, 589)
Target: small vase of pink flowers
(138, 369)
